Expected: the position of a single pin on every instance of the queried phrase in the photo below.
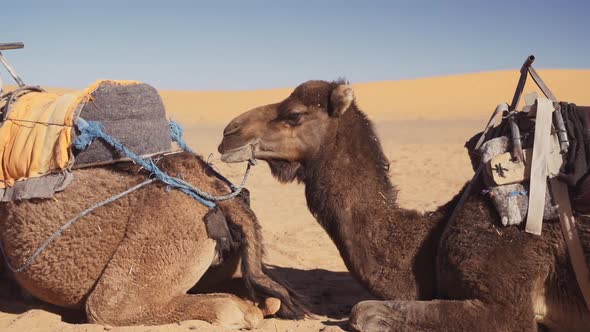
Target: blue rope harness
(91, 131)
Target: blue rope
(517, 193)
(91, 130)
(67, 225)
(176, 135)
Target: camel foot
(233, 313)
(270, 306)
(374, 316)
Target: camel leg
(121, 299)
(162, 256)
(274, 295)
(436, 315)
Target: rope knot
(176, 135)
(89, 132)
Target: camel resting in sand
(133, 260)
(471, 275)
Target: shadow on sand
(16, 301)
(326, 293)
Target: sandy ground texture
(422, 124)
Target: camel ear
(341, 99)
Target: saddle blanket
(39, 128)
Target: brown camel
(470, 275)
(133, 261)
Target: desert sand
(423, 124)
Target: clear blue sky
(263, 44)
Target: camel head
(289, 133)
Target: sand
(422, 123)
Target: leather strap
(572, 239)
(566, 216)
(541, 151)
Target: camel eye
(293, 118)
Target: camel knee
(119, 309)
(103, 311)
(96, 314)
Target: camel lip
(240, 154)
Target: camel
(471, 274)
(132, 261)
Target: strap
(12, 96)
(572, 239)
(541, 151)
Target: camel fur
(132, 261)
(472, 274)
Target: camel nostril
(231, 129)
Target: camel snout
(232, 139)
(231, 129)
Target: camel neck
(349, 191)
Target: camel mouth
(246, 152)
(238, 155)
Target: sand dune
(422, 123)
(468, 96)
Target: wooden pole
(11, 46)
(11, 71)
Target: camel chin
(239, 155)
